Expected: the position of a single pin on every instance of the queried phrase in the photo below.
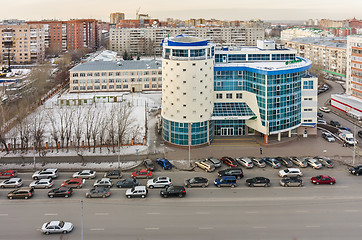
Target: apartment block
(292, 33)
(329, 53)
(116, 17)
(25, 43)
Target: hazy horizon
(276, 11)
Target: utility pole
(354, 146)
(82, 223)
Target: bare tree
(68, 127)
(78, 126)
(89, 121)
(123, 121)
(2, 127)
(111, 124)
(23, 129)
(94, 131)
(102, 130)
(62, 126)
(38, 130)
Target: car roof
(15, 179)
(163, 178)
(87, 170)
(104, 179)
(293, 169)
(324, 176)
(228, 177)
(49, 169)
(75, 179)
(54, 223)
(140, 187)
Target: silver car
(314, 163)
(104, 182)
(159, 182)
(246, 162)
(85, 174)
(215, 161)
(11, 183)
(57, 227)
(299, 162)
(258, 162)
(42, 183)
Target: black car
(173, 191)
(258, 182)
(236, 172)
(98, 192)
(360, 134)
(356, 170)
(197, 182)
(113, 174)
(284, 161)
(149, 164)
(291, 182)
(272, 162)
(319, 114)
(335, 123)
(60, 192)
(127, 183)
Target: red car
(229, 161)
(73, 183)
(323, 179)
(143, 173)
(8, 174)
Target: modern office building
(327, 53)
(351, 102)
(24, 43)
(112, 76)
(210, 92)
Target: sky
(185, 9)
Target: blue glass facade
(229, 127)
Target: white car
(12, 183)
(46, 173)
(290, 172)
(104, 182)
(328, 136)
(42, 183)
(137, 191)
(324, 109)
(159, 182)
(246, 162)
(85, 174)
(57, 227)
(321, 121)
(314, 163)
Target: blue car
(164, 163)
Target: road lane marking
(351, 210)
(50, 214)
(259, 227)
(152, 228)
(96, 229)
(301, 211)
(4, 214)
(202, 213)
(206, 228)
(251, 212)
(153, 213)
(102, 214)
(312, 226)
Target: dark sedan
(60, 192)
(149, 164)
(272, 162)
(236, 172)
(325, 162)
(127, 183)
(98, 192)
(113, 174)
(258, 182)
(284, 161)
(197, 182)
(173, 191)
(356, 170)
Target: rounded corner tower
(187, 90)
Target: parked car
(328, 136)
(149, 164)
(360, 134)
(291, 182)
(46, 173)
(164, 163)
(299, 162)
(335, 123)
(225, 181)
(215, 161)
(205, 165)
(42, 183)
(284, 161)
(290, 172)
(114, 174)
(60, 192)
(319, 114)
(143, 173)
(323, 179)
(325, 161)
(127, 183)
(138, 191)
(73, 183)
(98, 192)
(197, 182)
(8, 174)
(57, 227)
(229, 161)
(85, 174)
(324, 109)
(236, 172)
(321, 121)
(159, 182)
(272, 162)
(258, 182)
(25, 193)
(104, 182)
(245, 162)
(345, 128)
(314, 163)
(11, 183)
(179, 191)
(356, 170)
(258, 162)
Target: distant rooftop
(112, 66)
(335, 42)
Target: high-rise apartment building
(24, 43)
(292, 33)
(116, 17)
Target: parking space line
(101, 214)
(50, 214)
(152, 228)
(96, 229)
(206, 228)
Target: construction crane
(137, 11)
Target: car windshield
(192, 180)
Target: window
(147, 86)
(82, 75)
(308, 84)
(75, 81)
(229, 95)
(218, 83)
(89, 74)
(125, 86)
(218, 95)
(75, 74)
(104, 74)
(239, 95)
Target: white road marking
(206, 228)
(50, 214)
(259, 227)
(4, 214)
(312, 226)
(152, 228)
(102, 214)
(251, 212)
(301, 211)
(153, 213)
(97, 229)
(202, 213)
(351, 210)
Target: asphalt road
(309, 212)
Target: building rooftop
(335, 42)
(121, 65)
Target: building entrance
(227, 131)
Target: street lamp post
(82, 221)
(190, 139)
(354, 146)
(119, 154)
